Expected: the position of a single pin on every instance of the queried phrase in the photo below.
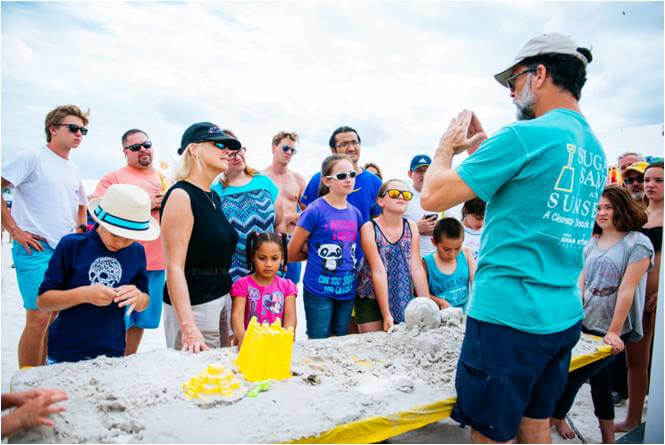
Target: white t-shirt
(472, 240)
(47, 193)
(415, 212)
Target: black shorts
(504, 374)
(367, 310)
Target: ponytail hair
(326, 168)
(256, 239)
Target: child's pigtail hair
(249, 250)
(285, 248)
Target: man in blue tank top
(541, 178)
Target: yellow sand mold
(214, 381)
(266, 352)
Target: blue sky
(395, 71)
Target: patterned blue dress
(396, 259)
(248, 208)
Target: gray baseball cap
(552, 43)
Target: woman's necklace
(211, 201)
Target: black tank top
(210, 248)
(655, 234)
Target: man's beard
(637, 196)
(525, 101)
(145, 161)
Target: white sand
(139, 399)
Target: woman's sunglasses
(137, 147)
(394, 194)
(286, 149)
(342, 176)
(74, 128)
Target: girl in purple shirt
(326, 235)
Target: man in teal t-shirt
(541, 178)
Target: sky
(397, 72)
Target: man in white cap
(139, 171)
(541, 179)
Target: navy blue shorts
(504, 374)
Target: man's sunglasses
(342, 176)
(394, 194)
(633, 179)
(137, 147)
(511, 80)
(74, 128)
(286, 149)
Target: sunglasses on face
(137, 147)
(347, 144)
(224, 147)
(342, 176)
(286, 149)
(634, 179)
(394, 194)
(511, 80)
(74, 128)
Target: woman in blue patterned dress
(248, 202)
(391, 267)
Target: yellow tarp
(379, 428)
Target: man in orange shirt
(139, 171)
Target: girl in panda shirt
(326, 235)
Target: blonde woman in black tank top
(198, 243)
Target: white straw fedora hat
(124, 210)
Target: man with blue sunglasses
(49, 202)
(291, 186)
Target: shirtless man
(291, 186)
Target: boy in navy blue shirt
(94, 277)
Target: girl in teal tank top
(451, 268)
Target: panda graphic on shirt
(331, 256)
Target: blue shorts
(326, 316)
(149, 318)
(293, 272)
(30, 270)
(504, 374)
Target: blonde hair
(186, 164)
(55, 116)
(292, 136)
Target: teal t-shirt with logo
(542, 180)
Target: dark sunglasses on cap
(137, 147)
(394, 194)
(630, 180)
(74, 128)
(286, 149)
(342, 176)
